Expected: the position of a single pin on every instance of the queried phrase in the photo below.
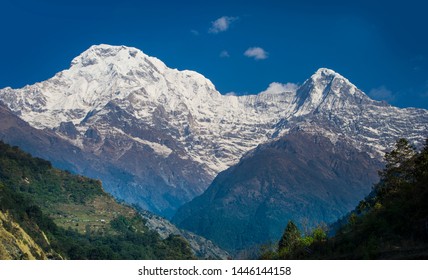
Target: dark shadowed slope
(300, 177)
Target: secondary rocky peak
(324, 78)
(326, 89)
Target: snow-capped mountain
(330, 104)
(211, 128)
(169, 132)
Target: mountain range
(159, 137)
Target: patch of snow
(159, 149)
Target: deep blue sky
(381, 47)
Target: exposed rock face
(201, 247)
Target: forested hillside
(390, 223)
(46, 213)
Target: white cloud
(232, 93)
(382, 93)
(224, 54)
(275, 88)
(257, 53)
(221, 24)
(194, 32)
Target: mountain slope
(41, 143)
(46, 144)
(48, 213)
(16, 243)
(390, 223)
(158, 136)
(300, 177)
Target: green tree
(403, 151)
(421, 162)
(399, 168)
(290, 238)
(319, 234)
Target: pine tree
(421, 162)
(402, 152)
(290, 238)
(399, 168)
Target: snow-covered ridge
(212, 129)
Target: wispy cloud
(194, 32)
(257, 53)
(382, 93)
(224, 54)
(221, 24)
(275, 88)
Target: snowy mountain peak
(324, 77)
(326, 72)
(130, 64)
(126, 58)
(104, 50)
(103, 74)
(326, 90)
